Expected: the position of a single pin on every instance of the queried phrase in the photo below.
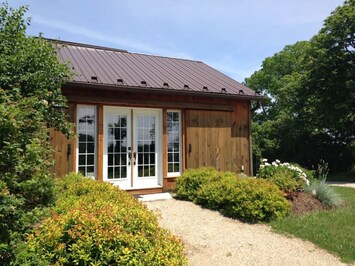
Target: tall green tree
(309, 111)
(30, 80)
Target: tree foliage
(309, 113)
(30, 81)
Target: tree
(309, 114)
(30, 80)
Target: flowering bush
(288, 177)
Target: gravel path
(342, 184)
(211, 239)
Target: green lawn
(342, 177)
(332, 230)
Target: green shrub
(285, 179)
(95, 223)
(288, 177)
(247, 199)
(25, 182)
(324, 193)
(190, 182)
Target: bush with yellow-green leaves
(95, 223)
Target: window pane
(152, 171)
(174, 137)
(82, 160)
(110, 172)
(110, 159)
(82, 170)
(123, 172)
(90, 147)
(90, 160)
(86, 139)
(82, 148)
(90, 171)
(117, 172)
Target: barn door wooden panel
(208, 135)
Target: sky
(231, 36)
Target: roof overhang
(167, 91)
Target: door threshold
(143, 191)
(136, 188)
(154, 197)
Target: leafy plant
(191, 181)
(324, 193)
(95, 223)
(245, 198)
(286, 176)
(322, 170)
(309, 86)
(30, 81)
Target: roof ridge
(115, 49)
(87, 45)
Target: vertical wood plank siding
(219, 139)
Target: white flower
(274, 163)
(277, 161)
(262, 166)
(44, 102)
(264, 160)
(267, 164)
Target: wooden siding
(64, 149)
(219, 139)
(60, 152)
(215, 132)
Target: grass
(342, 177)
(333, 230)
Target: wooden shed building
(141, 120)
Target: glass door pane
(117, 146)
(146, 145)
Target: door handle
(130, 158)
(134, 157)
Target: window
(86, 139)
(174, 142)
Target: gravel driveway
(211, 239)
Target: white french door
(132, 147)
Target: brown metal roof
(119, 68)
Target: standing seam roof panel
(176, 72)
(238, 86)
(167, 77)
(109, 65)
(198, 78)
(89, 56)
(87, 70)
(63, 53)
(150, 70)
(101, 60)
(126, 77)
(149, 77)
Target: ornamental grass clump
(324, 193)
(288, 177)
(95, 223)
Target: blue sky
(231, 36)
